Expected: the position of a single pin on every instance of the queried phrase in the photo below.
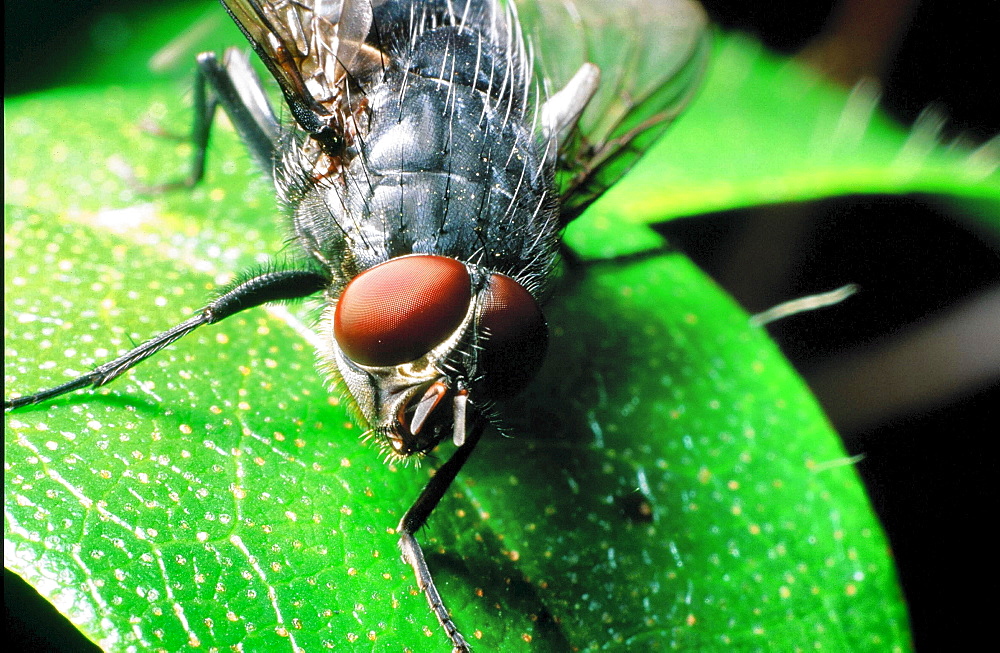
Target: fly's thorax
(438, 222)
(425, 344)
(440, 172)
(441, 157)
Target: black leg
(261, 289)
(237, 88)
(416, 516)
(234, 85)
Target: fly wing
(312, 48)
(651, 54)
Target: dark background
(929, 461)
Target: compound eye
(514, 337)
(399, 310)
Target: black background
(930, 469)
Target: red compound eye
(514, 336)
(398, 311)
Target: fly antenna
(461, 403)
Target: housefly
(432, 154)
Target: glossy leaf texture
(668, 481)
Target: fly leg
(261, 289)
(416, 516)
(562, 111)
(234, 85)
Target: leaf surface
(668, 480)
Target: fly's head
(426, 343)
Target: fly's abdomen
(450, 164)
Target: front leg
(416, 516)
(272, 286)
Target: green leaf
(668, 480)
(765, 130)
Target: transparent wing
(311, 47)
(651, 53)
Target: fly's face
(425, 343)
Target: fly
(434, 151)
